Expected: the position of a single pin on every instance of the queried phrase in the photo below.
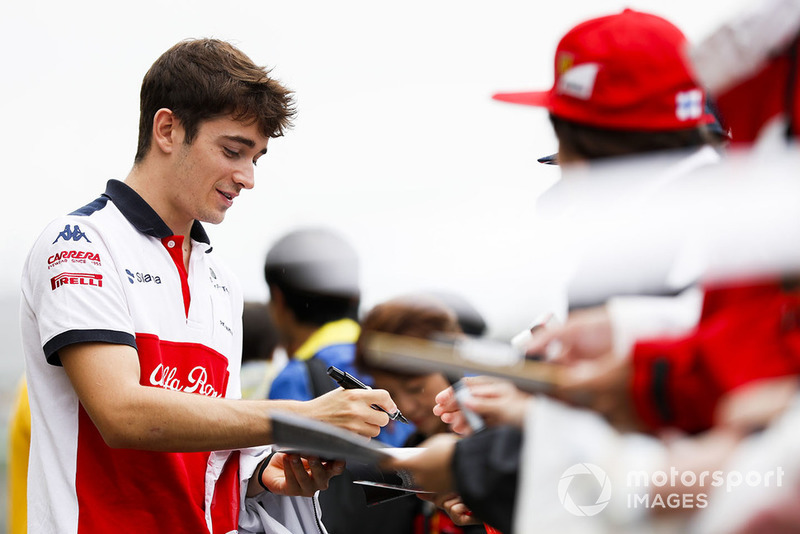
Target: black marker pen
(348, 381)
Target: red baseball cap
(626, 71)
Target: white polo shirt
(113, 272)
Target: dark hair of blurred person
(313, 273)
(414, 394)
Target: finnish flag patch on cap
(689, 105)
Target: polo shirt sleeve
(72, 285)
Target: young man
(132, 328)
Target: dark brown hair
(416, 316)
(592, 143)
(201, 79)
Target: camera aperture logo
(569, 488)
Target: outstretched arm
(129, 415)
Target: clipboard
(459, 355)
(302, 435)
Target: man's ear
(279, 311)
(167, 132)
(276, 298)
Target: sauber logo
(142, 278)
(71, 234)
(80, 279)
(75, 256)
(196, 381)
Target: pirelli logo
(80, 279)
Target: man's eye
(230, 153)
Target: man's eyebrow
(245, 141)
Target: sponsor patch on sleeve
(73, 256)
(79, 279)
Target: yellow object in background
(19, 443)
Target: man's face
(209, 173)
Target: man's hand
(352, 409)
(604, 385)
(586, 334)
(454, 507)
(431, 468)
(755, 405)
(291, 475)
(497, 401)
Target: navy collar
(142, 216)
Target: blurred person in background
(19, 442)
(622, 88)
(421, 316)
(313, 279)
(262, 355)
(746, 329)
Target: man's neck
(298, 335)
(148, 185)
(141, 179)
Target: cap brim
(531, 98)
(552, 159)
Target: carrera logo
(71, 234)
(142, 278)
(75, 256)
(79, 279)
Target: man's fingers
(379, 397)
(353, 409)
(303, 472)
(446, 397)
(320, 474)
(291, 484)
(335, 467)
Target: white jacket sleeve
(638, 317)
(274, 514)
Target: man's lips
(227, 196)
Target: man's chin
(215, 218)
